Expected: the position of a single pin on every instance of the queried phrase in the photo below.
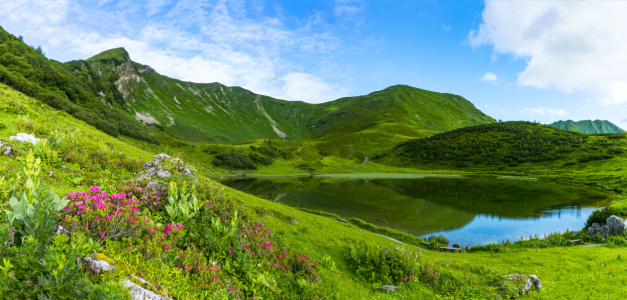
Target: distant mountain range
(588, 126)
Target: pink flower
(166, 246)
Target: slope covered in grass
(588, 126)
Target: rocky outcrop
(163, 166)
(614, 225)
(24, 138)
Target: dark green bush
(440, 239)
(380, 265)
(234, 160)
(262, 159)
(600, 215)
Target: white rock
(97, 266)
(25, 138)
(140, 293)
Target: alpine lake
(466, 211)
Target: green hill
(507, 146)
(588, 126)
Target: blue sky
(515, 60)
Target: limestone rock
(532, 282)
(615, 225)
(389, 288)
(140, 293)
(163, 173)
(24, 138)
(97, 266)
(598, 230)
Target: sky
(514, 60)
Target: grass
(567, 273)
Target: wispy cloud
(490, 77)
(540, 111)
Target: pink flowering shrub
(156, 240)
(194, 264)
(103, 216)
(152, 198)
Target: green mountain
(202, 113)
(588, 126)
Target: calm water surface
(467, 211)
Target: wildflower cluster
(151, 198)
(257, 241)
(103, 216)
(194, 263)
(159, 239)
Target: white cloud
(309, 88)
(490, 77)
(200, 41)
(569, 45)
(540, 111)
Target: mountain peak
(588, 126)
(118, 55)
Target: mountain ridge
(588, 126)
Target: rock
(615, 225)
(532, 282)
(153, 186)
(25, 138)
(140, 293)
(97, 266)
(389, 288)
(155, 167)
(163, 173)
(61, 230)
(6, 149)
(457, 245)
(52, 175)
(294, 221)
(597, 230)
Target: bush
(600, 215)
(380, 265)
(234, 160)
(440, 239)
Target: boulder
(6, 149)
(532, 282)
(97, 266)
(598, 230)
(140, 293)
(615, 225)
(24, 138)
(163, 173)
(389, 288)
(153, 186)
(61, 230)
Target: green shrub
(439, 239)
(234, 160)
(262, 159)
(380, 265)
(600, 215)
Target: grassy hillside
(80, 156)
(588, 126)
